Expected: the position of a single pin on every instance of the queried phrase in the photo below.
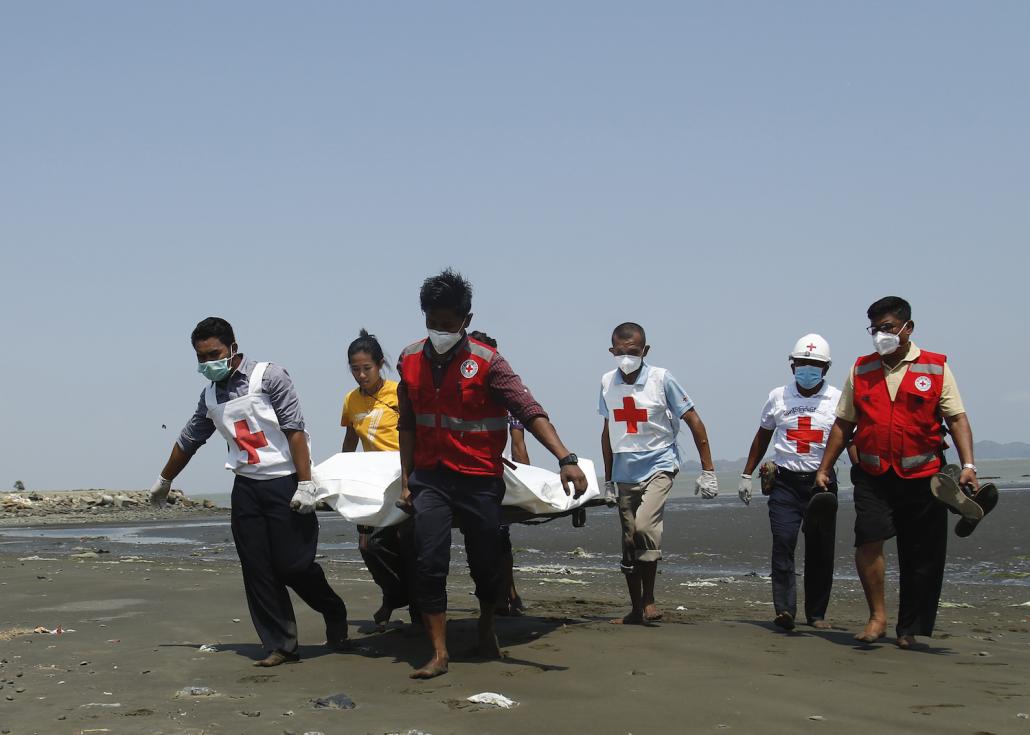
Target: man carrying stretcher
(455, 395)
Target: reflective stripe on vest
(926, 369)
(499, 423)
(869, 459)
(917, 460)
(868, 367)
(457, 424)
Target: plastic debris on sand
(494, 699)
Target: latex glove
(159, 492)
(744, 489)
(304, 499)
(611, 493)
(706, 484)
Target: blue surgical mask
(215, 370)
(808, 376)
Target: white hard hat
(812, 347)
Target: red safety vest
(904, 433)
(458, 425)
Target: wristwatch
(570, 459)
(969, 466)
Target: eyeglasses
(886, 328)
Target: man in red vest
(892, 407)
(455, 396)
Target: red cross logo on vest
(630, 414)
(248, 441)
(804, 435)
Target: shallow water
(716, 539)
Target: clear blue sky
(731, 175)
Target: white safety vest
(258, 448)
(800, 425)
(638, 414)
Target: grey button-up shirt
(276, 383)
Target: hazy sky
(731, 175)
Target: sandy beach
(135, 618)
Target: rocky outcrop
(53, 506)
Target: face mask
(808, 376)
(443, 341)
(885, 342)
(215, 370)
(629, 364)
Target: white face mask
(629, 364)
(885, 342)
(443, 341)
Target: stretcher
(363, 487)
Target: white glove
(159, 492)
(611, 493)
(305, 498)
(706, 484)
(744, 489)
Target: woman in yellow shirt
(370, 414)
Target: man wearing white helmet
(796, 419)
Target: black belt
(803, 476)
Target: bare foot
(651, 612)
(874, 631)
(820, 624)
(487, 646)
(437, 666)
(784, 620)
(634, 618)
(905, 642)
(381, 617)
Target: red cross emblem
(469, 368)
(804, 435)
(249, 441)
(810, 348)
(630, 414)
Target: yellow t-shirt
(374, 418)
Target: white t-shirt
(800, 425)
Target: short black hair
(484, 338)
(628, 330)
(366, 343)
(448, 290)
(213, 326)
(890, 306)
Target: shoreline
(135, 627)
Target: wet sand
(717, 665)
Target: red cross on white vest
(249, 441)
(630, 414)
(804, 435)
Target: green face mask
(215, 370)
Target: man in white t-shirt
(796, 419)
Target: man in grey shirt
(254, 406)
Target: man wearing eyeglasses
(891, 407)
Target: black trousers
(442, 500)
(389, 553)
(277, 550)
(887, 505)
(788, 504)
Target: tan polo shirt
(950, 403)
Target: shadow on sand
(846, 638)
